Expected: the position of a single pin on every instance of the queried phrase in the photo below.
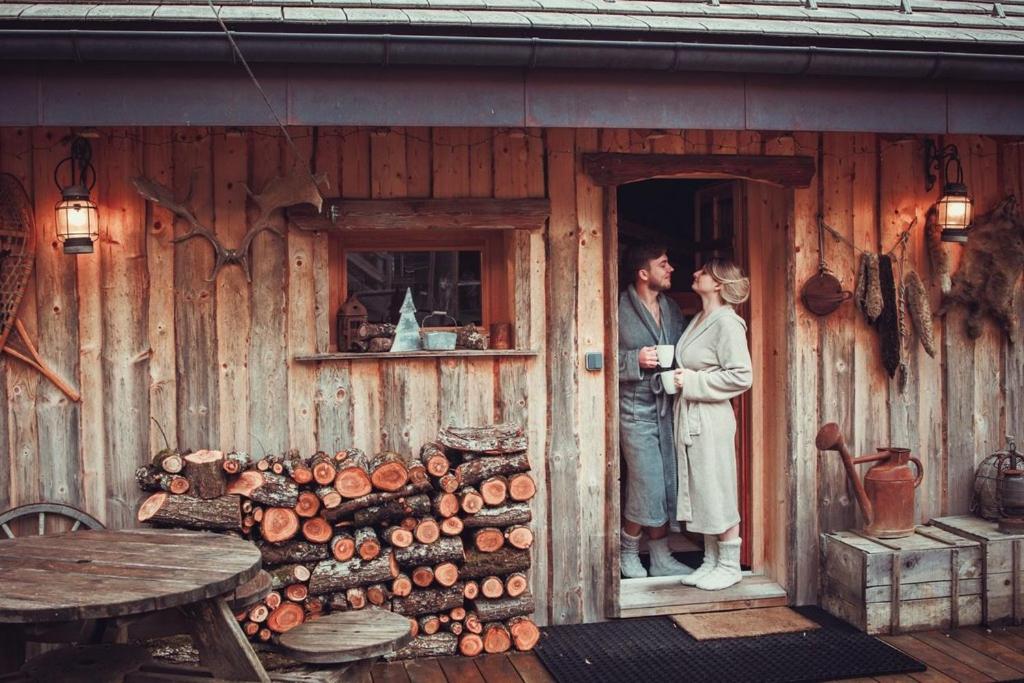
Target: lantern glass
(77, 224)
(955, 212)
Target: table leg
(12, 653)
(223, 648)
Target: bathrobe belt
(692, 425)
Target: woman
(714, 367)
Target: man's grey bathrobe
(716, 368)
(645, 420)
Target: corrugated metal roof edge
(489, 51)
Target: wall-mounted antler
(163, 196)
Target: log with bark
(279, 524)
(441, 644)
(499, 438)
(393, 511)
(367, 543)
(350, 507)
(296, 467)
(446, 504)
(292, 552)
(521, 487)
(497, 639)
(446, 574)
(525, 633)
(205, 473)
(504, 561)
(500, 609)
(422, 576)
(266, 488)
(329, 498)
(519, 536)
(488, 539)
(235, 462)
(169, 461)
(452, 526)
(297, 592)
(287, 574)
(308, 504)
(470, 500)
(398, 536)
(353, 478)
(152, 478)
(494, 490)
(428, 601)
(215, 514)
(448, 549)
(516, 584)
(330, 576)
(475, 470)
(473, 623)
(388, 471)
(427, 530)
(502, 516)
(317, 530)
(356, 597)
(433, 457)
(492, 587)
(377, 594)
(324, 471)
(429, 624)
(471, 644)
(449, 483)
(343, 546)
(401, 586)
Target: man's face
(658, 274)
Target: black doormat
(652, 650)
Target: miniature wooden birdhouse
(351, 316)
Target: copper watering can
(886, 495)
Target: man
(647, 318)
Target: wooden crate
(929, 580)
(1002, 567)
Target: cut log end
(150, 506)
(279, 524)
(452, 526)
(317, 530)
(520, 537)
(423, 576)
(427, 531)
(286, 617)
(524, 632)
(521, 487)
(343, 547)
(308, 505)
(489, 539)
(390, 476)
(497, 639)
(353, 482)
(516, 584)
(446, 574)
(492, 587)
(471, 644)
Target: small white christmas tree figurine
(407, 334)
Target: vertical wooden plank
(1011, 157)
(417, 162)
(234, 307)
(590, 308)
(481, 162)
(56, 336)
(409, 413)
(837, 178)
(803, 419)
(565, 571)
(301, 315)
(667, 142)
(158, 166)
(334, 426)
(982, 174)
(450, 162)
(126, 350)
(5, 450)
(195, 321)
(870, 426)
(365, 376)
(268, 363)
(16, 146)
(92, 434)
(724, 141)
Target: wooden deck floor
(965, 655)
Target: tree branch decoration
(298, 187)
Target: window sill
(458, 353)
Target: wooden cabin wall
(149, 341)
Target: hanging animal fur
(920, 310)
(937, 253)
(869, 290)
(990, 269)
(888, 322)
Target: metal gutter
(49, 45)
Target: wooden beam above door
(609, 168)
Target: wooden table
(102, 574)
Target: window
(463, 273)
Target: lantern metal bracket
(83, 174)
(934, 156)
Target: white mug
(668, 381)
(666, 354)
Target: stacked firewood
(443, 539)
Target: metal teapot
(886, 496)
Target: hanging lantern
(76, 215)
(955, 209)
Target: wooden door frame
(769, 442)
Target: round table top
(108, 573)
(347, 636)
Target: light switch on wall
(594, 361)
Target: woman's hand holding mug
(678, 377)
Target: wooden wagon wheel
(41, 510)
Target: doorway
(697, 218)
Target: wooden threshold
(665, 595)
(507, 353)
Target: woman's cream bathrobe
(716, 367)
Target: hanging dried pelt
(920, 310)
(888, 323)
(990, 269)
(869, 289)
(937, 253)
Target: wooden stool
(346, 637)
(107, 663)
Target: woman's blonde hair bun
(735, 285)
